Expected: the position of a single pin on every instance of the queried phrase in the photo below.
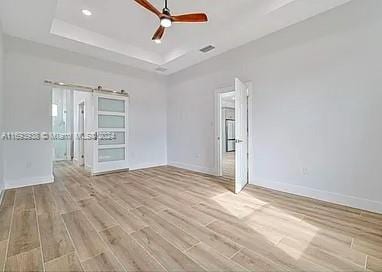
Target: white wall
(28, 106)
(1, 109)
(317, 107)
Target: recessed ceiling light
(86, 12)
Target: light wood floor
(168, 219)
(229, 165)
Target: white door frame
(218, 129)
(81, 132)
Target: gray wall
(317, 107)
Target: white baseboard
(196, 168)
(146, 165)
(24, 182)
(346, 200)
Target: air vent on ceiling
(161, 69)
(207, 48)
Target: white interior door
(111, 119)
(241, 135)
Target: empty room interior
(174, 135)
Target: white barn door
(110, 118)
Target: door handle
(238, 141)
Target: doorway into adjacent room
(62, 126)
(228, 134)
(232, 132)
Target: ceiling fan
(166, 19)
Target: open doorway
(62, 124)
(232, 133)
(227, 109)
(70, 126)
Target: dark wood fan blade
(146, 4)
(190, 18)
(159, 33)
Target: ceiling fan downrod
(166, 9)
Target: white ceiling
(121, 30)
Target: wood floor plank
(64, 202)
(261, 245)
(45, 203)
(24, 234)
(175, 235)
(24, 199)
(168, 255)
(216, 211)
(101, 263)
(138, 194)
(6, 213)
(96, 214)
(84, 236)
(211, 260)
(26, 261)
(78, 193)
(127, 220)
(372, 248)
(3, 253)
(120, 196)
(55, 239)
(318, 256)
(305, 233)
(154, 205)
(255, 262)
(237, 231)
(374, 264)
(8, 198)
(186, 210)
(132, 255)
(223, 245)
(67, 263)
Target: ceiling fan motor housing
(166, 11)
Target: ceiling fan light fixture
(165, 22)
(166, 18)
(157, 41)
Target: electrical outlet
(28, 164)
(305, 171)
